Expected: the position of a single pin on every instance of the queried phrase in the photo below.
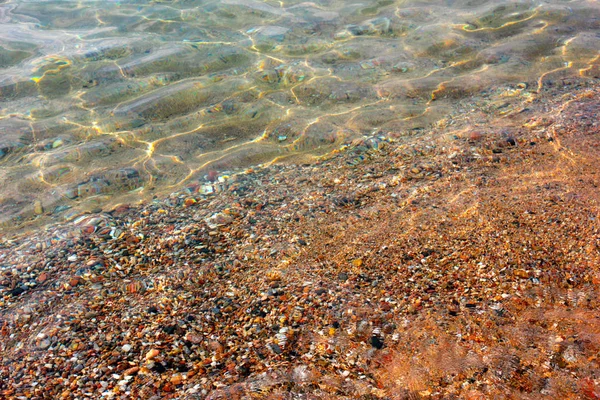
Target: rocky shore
(458, 263)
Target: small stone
(521, 273)
(120, 209)
(453, 310)
(43, 277)
(126, 348)
(168, 387)
(274, 275)
(191, 373)
(176, 379)
(169, 329)
(193, 338)
(218, 219)
(131, 371)
(158, 367)
(217, 347)
(151, 354)
(376, 342)
(475, 135)
(74, 281)
(24, 319)
(276, 349)
(38, 208)
(17, 291)
(403, 67)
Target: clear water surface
(108, 101)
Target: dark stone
(257, 312)
(260, 354)
(158, 367)
(427, 252)
(501, 312)
(511, 141)
(16, 291)
(244, 370)
(183, 367)
(169, 329)
(152, 310)
(342, 276)
(276, 349)
(376, 342)
(320, 291)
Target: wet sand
(460, 262)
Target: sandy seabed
(458, 263)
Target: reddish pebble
(74, 281)
(212, 175)
(121, 208)
(475, 135)
(131, 371)
(88, 230)
(192, 337)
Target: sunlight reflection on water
(104, 101)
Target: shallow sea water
(109, 101)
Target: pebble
(152, 354)
(74, 281)
(43, 277)
(376, 342)
(521, 273)
(38, 208)
(131, 371)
